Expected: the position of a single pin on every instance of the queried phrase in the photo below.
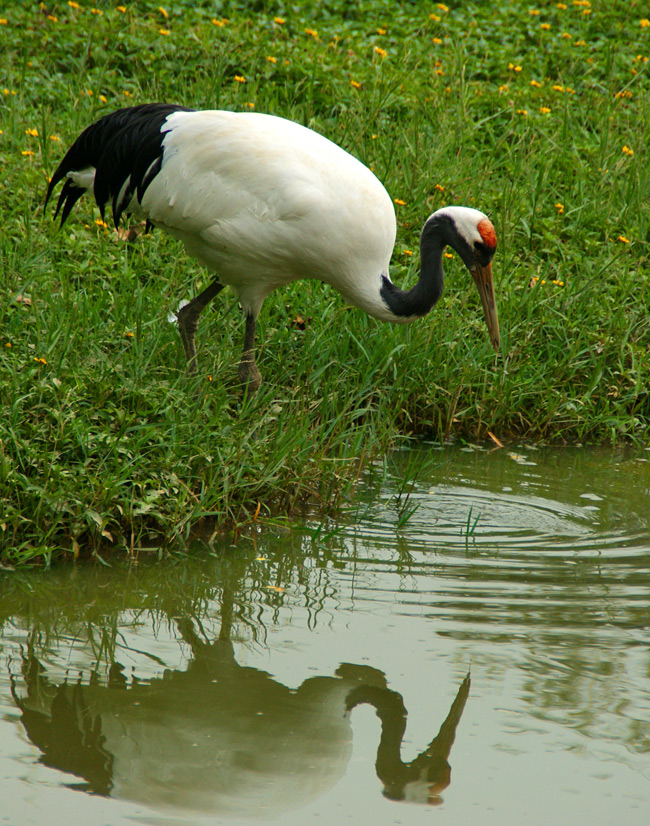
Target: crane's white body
(263, 201)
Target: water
(270, 681)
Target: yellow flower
(101, 223)
(558, 87)
(163, 12)
(407, 252)
(53, 18)
(561, 6)
(442, 7)
(55, 138)
(311, 32)
(27, 152)
(644, 23)
(164, 32)
(545, 26)
(544, 110)
(121, 9)
(435, 17)
(536, 84)
(627, 151)
(355, 83)
(624, 94)
(566, 35)
(97, 11)
(381, 52)
(216, 22)
(439, 188)
(514, 67)
(279, 21)
(250, 105)
(503, 87)
(32, 132)
(399, 201)
(103, 98)
(381, 31)
(127, 94)
(523, 112)
(560, 208)
(448, 255)
(580, 43)
(40, 361)
(271, 59)
(437, 41)
(73, 5)
(240, 79)
(534, 12)
(129, 334)
(3, 21)
(623, 239)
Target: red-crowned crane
(262, 201)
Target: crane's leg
(188, 320)
(249, 375)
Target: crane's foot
(187, 319)
(249, 376)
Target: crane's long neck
(419, 300)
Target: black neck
(419, 300)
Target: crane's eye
(479, 246)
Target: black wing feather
(124, 146)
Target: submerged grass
(539, 116)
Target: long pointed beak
(483, 279)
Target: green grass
(104, 441)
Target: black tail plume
(124, 148)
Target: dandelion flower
(442, 7)
(545, 26)
(560, 208)
(381, 31)
(439, 188)
(534, 12)
(240, 79)
(407, 252)
(399, 201)
(355, 83)
(623, 239)
(40, 360)
(536, 84)
(544, 110)
(271, 59)
(557, 87)
(448, 255)
(437, 41)
(626, 150)
(73, 5)
(164, 32)
(645, 23)
(163, 12)
(523, 112)
(311, 32)
(121, 9)
(381, 52)
(219, 23)
(27, 152)
(32, 132)
(435, 17)
(279, 20)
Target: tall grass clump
(537, 115)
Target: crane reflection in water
(220, 737)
